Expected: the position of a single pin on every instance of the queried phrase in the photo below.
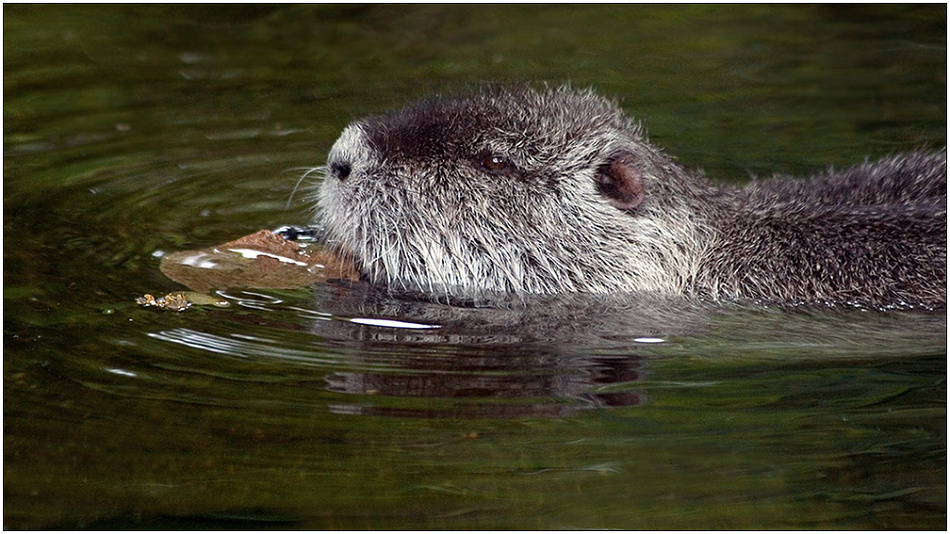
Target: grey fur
(555, 191)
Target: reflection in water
(381, 355)
(420, 359)
(506, 384)
(571, 320)
(402, 357)
(530, 357)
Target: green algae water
(132, 132)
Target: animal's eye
(495, 163)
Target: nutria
(547, 191)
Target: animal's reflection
(506, 385)
(416, 358)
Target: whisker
(319, 168)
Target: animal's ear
(620, 181)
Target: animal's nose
(340, 170)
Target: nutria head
(511, 190)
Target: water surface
(133, 132)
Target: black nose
(340, 170)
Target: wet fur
(503, 192)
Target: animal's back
(908, 178)
(872, 235)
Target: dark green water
(130, 132)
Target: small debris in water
(181, 300)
